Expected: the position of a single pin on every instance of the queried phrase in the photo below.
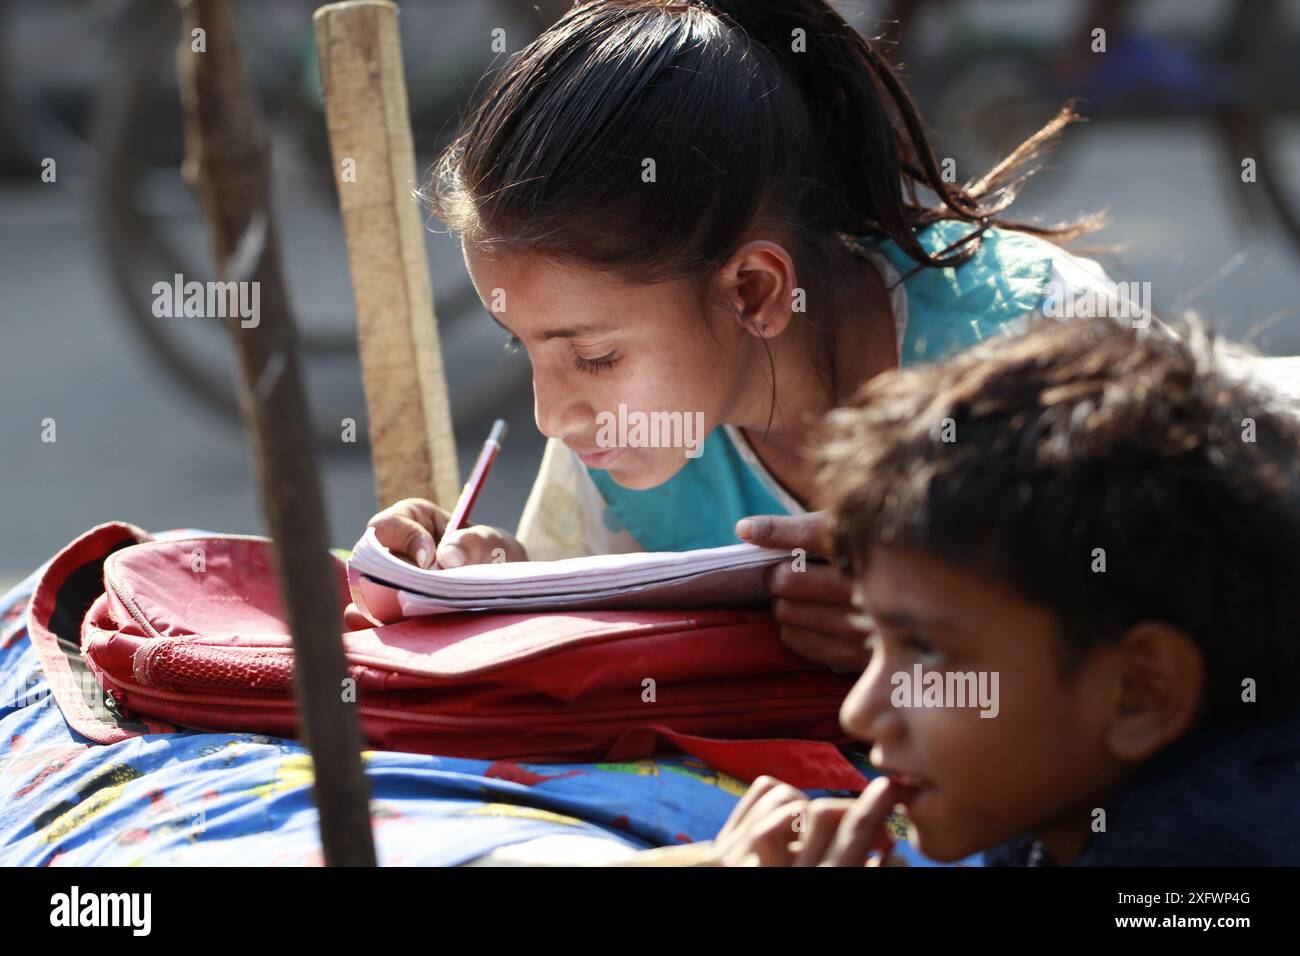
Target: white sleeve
(1282, 374)
(1079, 287)
(1075, 278)
(564, 516)
(1277, 375)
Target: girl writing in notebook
(710, 212)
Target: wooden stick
(411, 440)
(227, 160)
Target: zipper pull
(111, 703)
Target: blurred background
(147, 428)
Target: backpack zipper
(452, 721)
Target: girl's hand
(412, 529)
(814, 606)
(777, 825)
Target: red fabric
(192, 633)
(84, 553)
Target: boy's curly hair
(1039, 460)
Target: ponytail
(871, 132)
(649, 136)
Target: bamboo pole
(227, 161)
(411, 440)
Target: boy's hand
(762, 827)
(412, 529)
(776, 825)
(814, 606)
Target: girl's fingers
(354, 620)
(833, 619)
(823, 820)
(817, 616)
(817, 583)
(480, 544)
(809, 531)
(409, 528)
(404, 537)
(834, 650)
(863, 827)
(423, 512)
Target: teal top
(948, 310)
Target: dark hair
(745, 127)
(1021, 456)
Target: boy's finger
(763, 796)
(775, 833)
(781, 797)
(808, 531)
(738, 813)
(823, 819)
(765, 840)
(860, 830)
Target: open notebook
(730, 576)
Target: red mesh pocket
(180, 665)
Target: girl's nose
(557, 411)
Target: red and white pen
(469, 494)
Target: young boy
(1092, 535)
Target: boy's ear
(759, 283)
(1162, 675)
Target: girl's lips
(599, 459)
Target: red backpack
(151, 636)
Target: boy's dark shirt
(1225, 796)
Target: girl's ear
(1163, 681)
(759, 284)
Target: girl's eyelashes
(596, 365)
(514, 344)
